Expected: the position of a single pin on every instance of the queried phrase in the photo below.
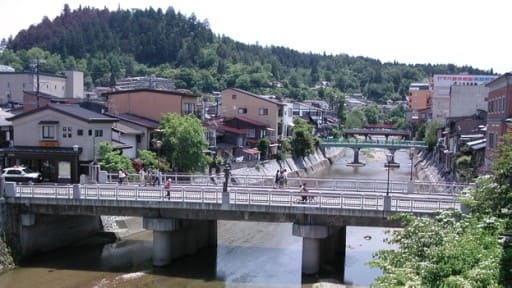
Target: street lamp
(410, 185)
(411, 157)
(157, 144)
(389, 158)
(387, 198)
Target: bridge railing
(332, 184)
(239, 195)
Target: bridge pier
(392, 163)
(356, 162)
(174, 238)
(321, 244)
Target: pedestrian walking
(276, 180)
(303, 191)
(121, 175)
(156, 177)
(167, 187)
(142, 177)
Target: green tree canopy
(184, 142)
(302, 142)
(450, 250)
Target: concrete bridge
(357, 144)
(43, 217)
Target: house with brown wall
(150, 103)
(267, 110)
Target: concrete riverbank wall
(305, 166)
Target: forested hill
(109, 45)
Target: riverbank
(6, 261)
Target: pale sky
(468, 32)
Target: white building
(441, 95)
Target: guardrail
(316, 198)
(332, 184)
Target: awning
(251, 151)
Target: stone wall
(306, 166)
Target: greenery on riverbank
(6, 261)
(453, 249)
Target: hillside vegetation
(108, 45)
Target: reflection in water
(248, 254)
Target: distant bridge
(377, 132)
(357, 144)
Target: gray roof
(72, 110)
(120, 127)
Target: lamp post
(387, 198)
(410, 185)
(158, 145)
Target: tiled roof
(231, 129)
(126, 129)
(277, 102)
(141, 121)
(249, 120)
(71, 110)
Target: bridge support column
(356, 162)
(333, 249)
(174, 238)
(392, 163)
(311, 245)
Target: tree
(355, 119)
(263, 146)
(184, 143)
(450, 250)
(431, 135)
(302, 141)
(113, 160)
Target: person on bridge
(303, 191)
(121, 175)
(276, 180)
(167, 187)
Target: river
(248, 254)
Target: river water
(248, 254)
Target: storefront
(56, 164)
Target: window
(251, 133)
(66, 132)
(189, 108)
(79, 132)
(233, 96)
(492, 140)
(90, 132)
(242, 110)
(263, 111)
(98, 133)
(48, 132)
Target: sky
(407, 31)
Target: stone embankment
(427, 169)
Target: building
(151, 104)
(269, 110)
(151, 82)
(499, 113)
(13, 85)
(419, 97)
(467, 100)
(441, 91)
(59, 140)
